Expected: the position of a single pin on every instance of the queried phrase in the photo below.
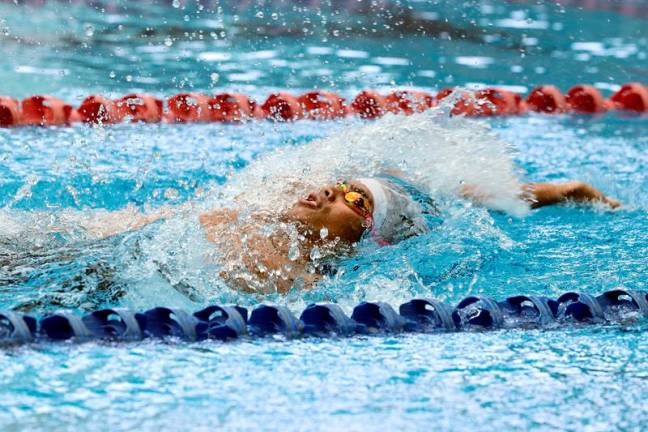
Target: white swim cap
(396, 216)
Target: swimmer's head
(343, 210)
(349, 209)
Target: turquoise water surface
(574, 378)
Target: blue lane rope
(227, 322)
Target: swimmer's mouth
(310, 201)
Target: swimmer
(327, 223)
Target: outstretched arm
(102, 224)
(544, 194)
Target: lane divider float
(422, 315)
(192, 107)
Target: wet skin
(327, 208)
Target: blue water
(571, 379)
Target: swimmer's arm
(545, 194)
(102, 224)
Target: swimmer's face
(327, 208)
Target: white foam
(438, 153)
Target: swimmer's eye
(355, 197)
(358, 201)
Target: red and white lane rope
(44, 110)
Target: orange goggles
(358, 201)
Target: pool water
(574, 378)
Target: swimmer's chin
(300, 211)
(297, 215)
(303, 218)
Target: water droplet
(260, 14)
(112, 74)
(214, 77)
(168, 41)
(323, 233)
(315, 253)
(129, 78)
(89, 30)
(176, 4)
(275, 16)
(293, 252)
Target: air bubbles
(4, 29)
(89, 30)
(293, 252)
(259, 15)
(324, 233)
(168, 41)
(214, 77)
(176, 4)
(315, 253)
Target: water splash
(439, 154)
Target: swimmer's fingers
(613, 203)
(580, 191)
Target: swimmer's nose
(329, 194)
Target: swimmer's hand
(544, 194)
